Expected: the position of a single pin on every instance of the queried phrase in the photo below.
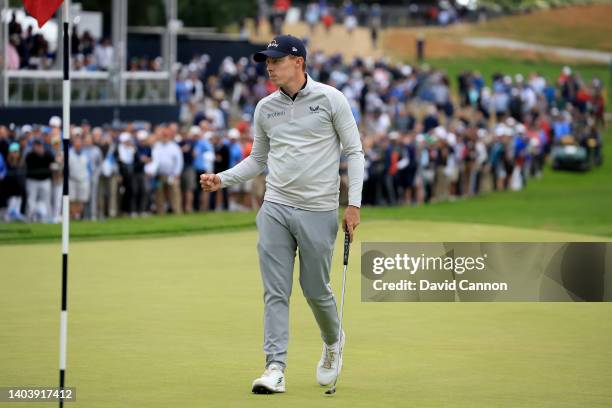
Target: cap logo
(273, 43)
(294, 49)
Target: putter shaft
(332, 389)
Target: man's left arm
(346, 128)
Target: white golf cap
(125, 137)
(55, 121)
(233, 133)
(142, 134)
(26, 129)
(439, 132)
(500, 130)
(194, 130)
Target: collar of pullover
(303, 90)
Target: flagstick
(65, 199)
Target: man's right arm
(255, 163)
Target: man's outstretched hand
(351, 220)
(210, 182)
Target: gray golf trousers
(282, 230)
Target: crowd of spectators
(373, 16)
(421, 144)
(29, 50)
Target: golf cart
(572, 154)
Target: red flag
(42, 10)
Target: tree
(215, 13)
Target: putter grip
(347, 242)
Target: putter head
(331, 391)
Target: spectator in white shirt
(104, 55)
(168, 161)
(80, 177)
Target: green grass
(177, 322)
(125, 228)
(560, 201)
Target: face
(173, 128)
(283, 70)
(97, 135)
(167, 135)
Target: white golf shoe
(271, 381)
(330, 360)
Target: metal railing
(44, 88)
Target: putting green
(177, 322)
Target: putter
(347, 243)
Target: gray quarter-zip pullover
(300, 141)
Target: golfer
(300, 131)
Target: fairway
(177, 322)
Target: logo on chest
(273, 115)
(314, 109)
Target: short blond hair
(303, 65)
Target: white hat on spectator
(439, 133)
(208, 135)
(567, 70)
(501, 130)
(77, 131)
(519, 78)
(125, 137)
(233, 133)
(194, 130)
(394, 135)
(142, 134)
(55, 121)
(481, 133)
(510, 122)
(26, 129)
(520, 128)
